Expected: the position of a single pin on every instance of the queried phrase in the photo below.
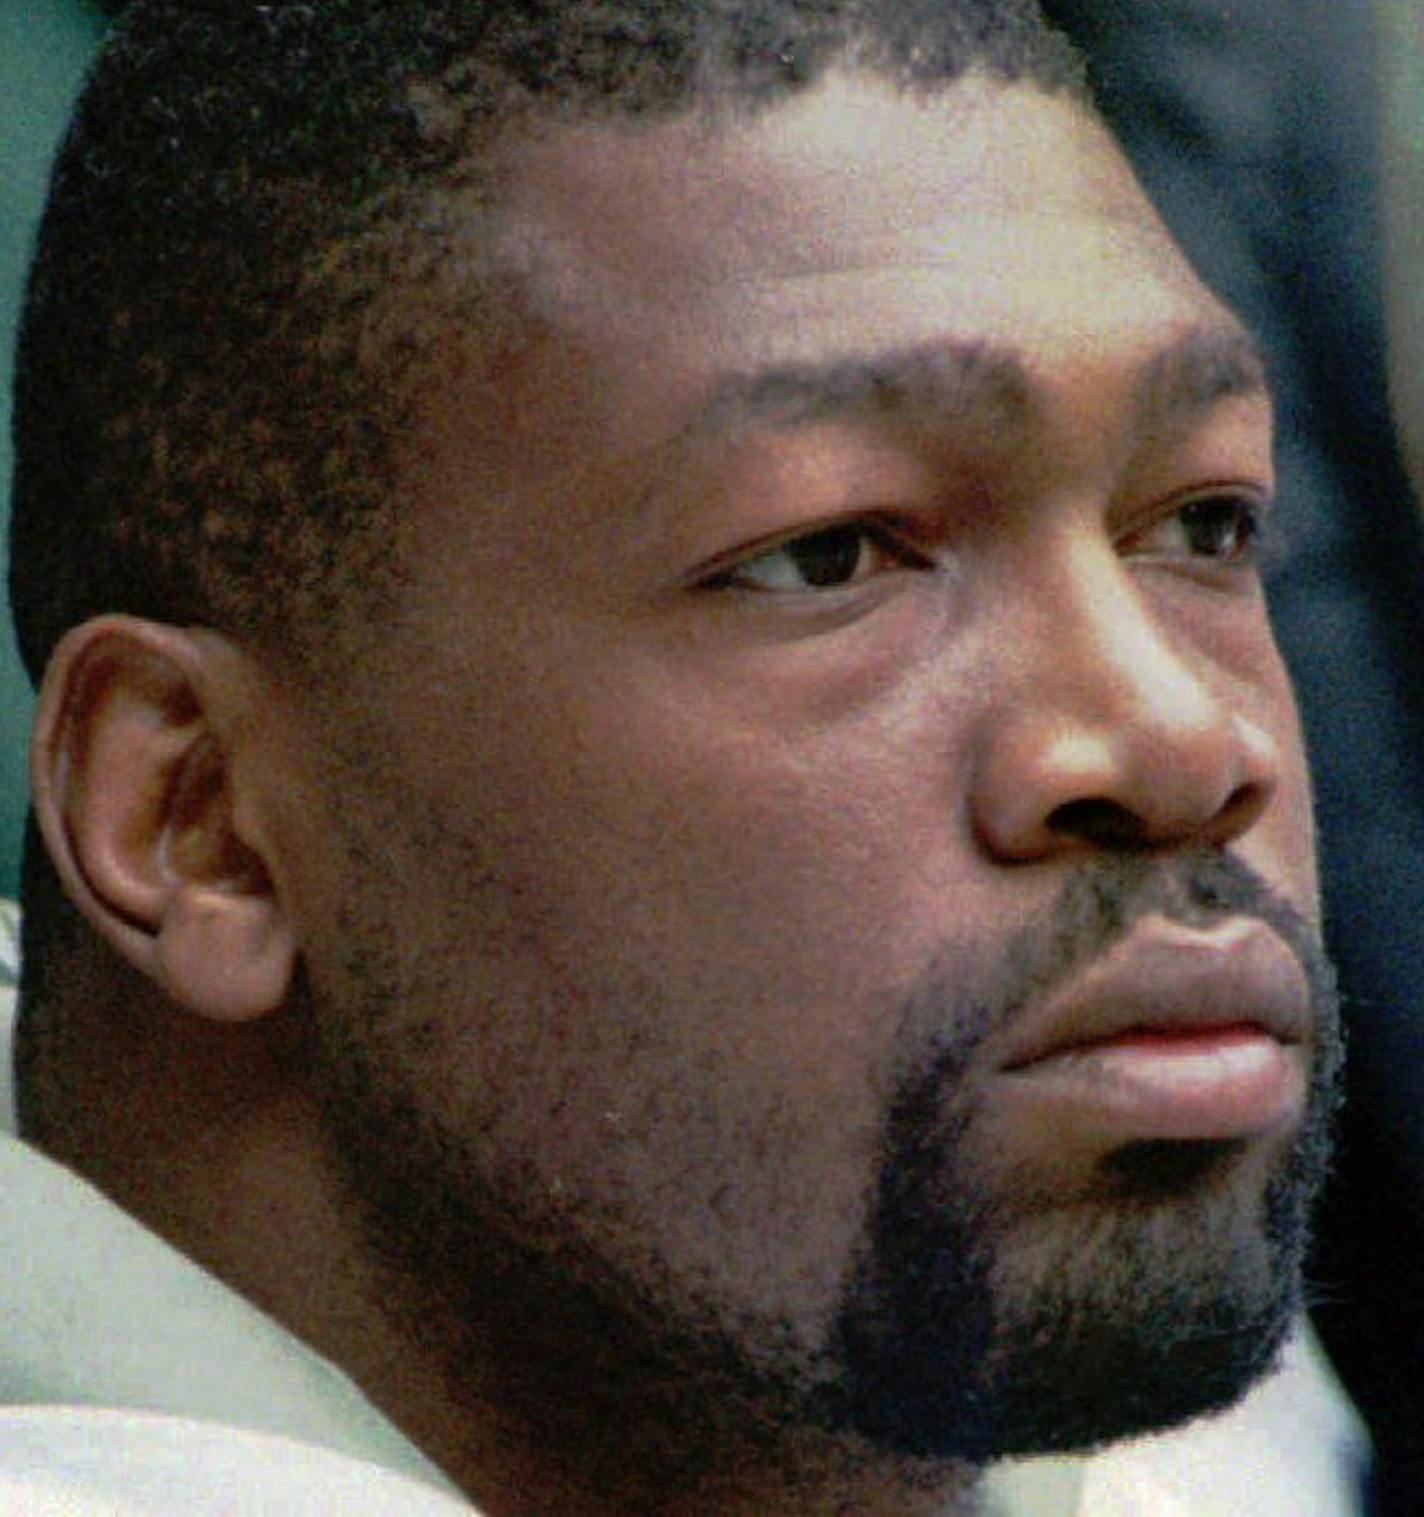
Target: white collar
(9, 985)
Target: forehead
(854, 214)
(662, 268)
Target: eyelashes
(1227, 529)
(1232, 530)
(827, 558)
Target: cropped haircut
(238, 276)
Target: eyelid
(1256, 500)
(887, 529)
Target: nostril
(1127, 779)
(1101, 822)
(1242, 807)
(1105, 823)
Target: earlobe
(227, 955)
(131, 776)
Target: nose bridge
(1115, 728)
(1113, 667)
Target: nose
(1117, 730)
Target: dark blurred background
(45, 46)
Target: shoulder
(9, 990)
(9, 944)
(85, 1462)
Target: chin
(1163, 1297)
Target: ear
(132, 776)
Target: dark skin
(786, 619)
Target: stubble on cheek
(589, 1115)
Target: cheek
(785, 859)
(1282, 844)
(649, 953)
(1288, 828)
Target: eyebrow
(1203, 368)
(960, 381)
(973, 383)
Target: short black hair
(217, 349)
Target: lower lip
(1228, 1082)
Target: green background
(45, 45)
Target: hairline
(471, 201)
(379, 224)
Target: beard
(972, 1331)
(970, 1327)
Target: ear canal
(223, 948)
(198, 841)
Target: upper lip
(1167, 976)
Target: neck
(819, 1489)
(504, 1426)
(512, 1469)
(529, 1431)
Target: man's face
(814, 873)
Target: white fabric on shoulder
(9, 987)
(97, 1311)
(84, 1462)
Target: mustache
(1098, 905)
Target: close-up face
(821, 860)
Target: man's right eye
(831, 558)
(1223, 528)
